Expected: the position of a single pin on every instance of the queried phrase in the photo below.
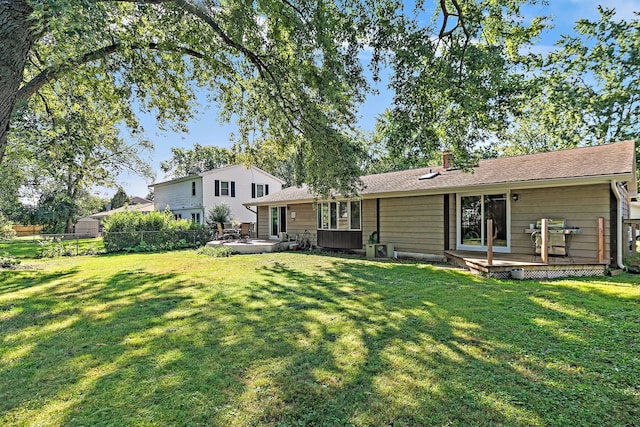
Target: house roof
(142, 207)
(603, 162)
(199, 175)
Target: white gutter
(614, 188)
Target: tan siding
(305, 220)
(413, 224)
(368, 219)
(263, 222)
(581, 206)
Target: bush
(6, 230)
(216, 251)
(8, 261)
(134, 231)
(51, 248)
(219, 214)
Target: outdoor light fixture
(514, 197)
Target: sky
(206, 129)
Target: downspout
(616, 193)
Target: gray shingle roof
(606, 161)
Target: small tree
(6, 229)
(119, 199)
(218, 214)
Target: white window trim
(260, 186)
(228, 188)
(483, 248)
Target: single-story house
(427, 212)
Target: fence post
(489, 233)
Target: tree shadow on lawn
(364, 343)
(436, 347)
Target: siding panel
(413, 224)
(581, 206)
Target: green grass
(295, 339)
(28, 247)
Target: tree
(585, 92)
(72, 147)
(455, 80)
(194, 160)
(283, 70)
(119, 199)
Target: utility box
(379, 250)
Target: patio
(532, 266)
(252, 246)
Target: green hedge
(154, 231)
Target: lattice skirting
(552, 274)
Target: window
(177, 216)
(195, 217)
(339, 215)
(259, 190)
(193, 188)
(224, 188)
(474, 213)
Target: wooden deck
(532, 265)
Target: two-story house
(191, 197)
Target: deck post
(601, 239)
(634, 244)
(489, 233)
(544, 246)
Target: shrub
(8, 261)
(216, 251)
(219, 214)
(134, 231)
(6, 230)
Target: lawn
(295, 339)
(29, 247)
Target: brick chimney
(447, 160)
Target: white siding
(178, 196)
(243, 179)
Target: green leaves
(585, 92)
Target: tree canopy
(584, 92)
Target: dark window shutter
(266, 189)
(216, 187)
(253, 191)
(233, 189)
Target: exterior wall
(263, 222)
(87, 227)
(305, 220)
(581, 206)
(413, 224)
(243, 179)
(368, 219)
(178, 196)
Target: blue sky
(205, 128)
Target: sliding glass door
(473, 213)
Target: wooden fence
(27, 230)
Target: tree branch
(52, 73)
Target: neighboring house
(191, 197)
(425, 212)
(91, 225)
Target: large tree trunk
(17, 35)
